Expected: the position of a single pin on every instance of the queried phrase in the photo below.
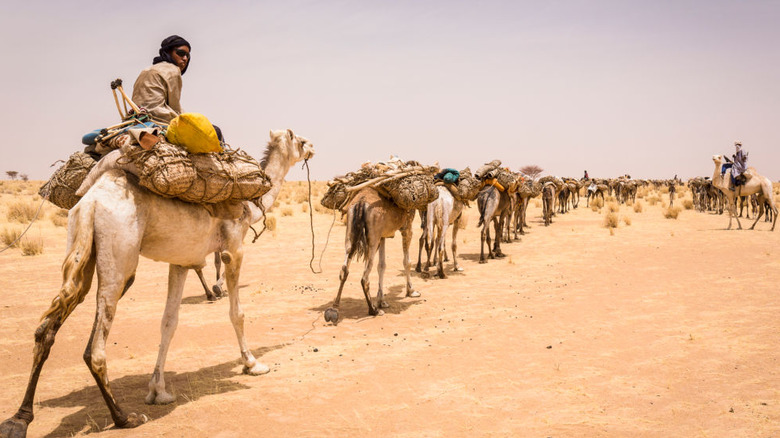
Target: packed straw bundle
(61, 188)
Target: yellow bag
(194, 132)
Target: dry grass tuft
(598, 202)
(270, 222)
(9, 235)
(688, 204)
(652, 200)
(627, 220)
(305, 207)
(287, 211)
(672, 212)
(613, 207)
(21, 211)
(31, 247)
(611, 220)
(320, 209)
(638, 207)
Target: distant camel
(755, 183)
(442, 213)
(491, 203)
(548, 195)
(371, 219)
(113, 224)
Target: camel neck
(276, 168)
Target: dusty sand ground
(666, 328)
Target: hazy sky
(650, 88)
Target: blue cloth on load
(724, 167)
(448, 175)
(90, 138)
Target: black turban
(169, 44)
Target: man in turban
(158, 87)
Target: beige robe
(158, 89)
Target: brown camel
(371, 219)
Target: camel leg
(483, 238)
(499, 226)
(209, 294)
(218, 290)
(112, 283)
(423, 240)
(760, 210)
(76, 284)
(380, 269)
(455, 226)
(364, 281)
(232, 272)
(332, 313)
(441, 239)
(406, 240)
(157, 393)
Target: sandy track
(666, 328)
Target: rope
(311, 221)
(28, 226)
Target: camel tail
(359, 231)
(482, 202)
(78, 267)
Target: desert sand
(664, 327)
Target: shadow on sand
(356, 308)
(131, 390)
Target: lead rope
(311, 223)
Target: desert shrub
(320, 209)
(287, 211)
(611, 198)
(627, 220)
(598, 202)
(270, 222)
(664, 189)
(613, 207)
(301, 196)
(21, 211)
(652, 200)
(638, 207)
(305, 207)
(688, 204)
(641, 192)
(672, 212)
(610, 220)
(32, 246)
(9, 236)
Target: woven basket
(507, 179)
(335, 196)
(61, 188)
(170, 171)
(413, 192)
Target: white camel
(755, 184)
(444, 212)
(114, 223)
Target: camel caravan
(181, 204)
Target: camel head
(293, 148)
(718, 159)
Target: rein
(10, 245)
(311, 222)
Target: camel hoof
(159, 398)
(482, 261)
(257, 370)
(418, 268)
(332, 315)
(211, 297)
(13, 428)
(133, 420)
(500, 255)
(413, 294)
(425, 275)
(442, 275)
(218, 292)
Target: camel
(548, 195)
(755, 184)
(114, 223)
(491, 203)
(444, 212)
(371, 219)
(594, 190)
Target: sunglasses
(182, 53)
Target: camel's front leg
(170, 320)
(232, 271)
(406, 240)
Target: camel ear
(271, 133)
(292, 136)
